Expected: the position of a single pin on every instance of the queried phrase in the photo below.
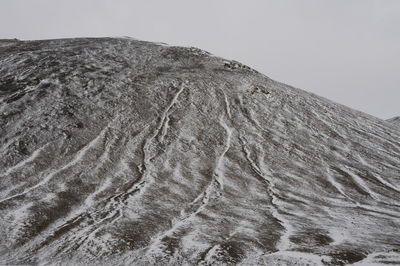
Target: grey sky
(345, 50)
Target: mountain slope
(122, 151)
(394, 120)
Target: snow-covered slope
(118, 151)
(394, 120)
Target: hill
(119, 151)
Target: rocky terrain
(124, 152)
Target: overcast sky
(345, 50)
